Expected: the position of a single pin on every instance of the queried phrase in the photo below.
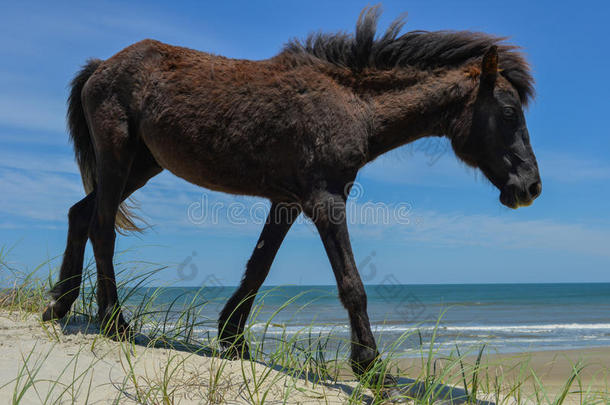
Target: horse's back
(227, 124)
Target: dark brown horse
(294, 129)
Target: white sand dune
(86, 368)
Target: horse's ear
(489, 67)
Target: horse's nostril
(535, 189)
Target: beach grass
(302, 367)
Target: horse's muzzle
(518, 195)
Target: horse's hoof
(236, 351)
(390, 391)
(54, 310)
(119, 332)
(393, 395)
(117, 328)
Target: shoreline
(530, 351)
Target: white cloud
(37, 187)
(572, 169)
(39, 161)
(455, 229)
(42, 187)
(432, 162)
(427, 227)
(39, 196)
(30, 112)
(31, 193)
(428, 161)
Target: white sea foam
(530, 328)
(483, 330)
(587, 330)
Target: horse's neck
(417, 111)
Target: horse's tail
(83, 145)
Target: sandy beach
(75, 365)
(552, 369)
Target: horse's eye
(509, 113)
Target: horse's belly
(200, 163)
(213, 175)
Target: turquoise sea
(507, 317)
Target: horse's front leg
(235, 313)
(327, 211)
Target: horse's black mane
(422, 49)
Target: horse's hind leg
(66, 290)
(112, 175)
(119, 173)
(235, 313)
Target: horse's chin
(508, 198)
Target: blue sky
(457, 232)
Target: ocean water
(506, 317)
